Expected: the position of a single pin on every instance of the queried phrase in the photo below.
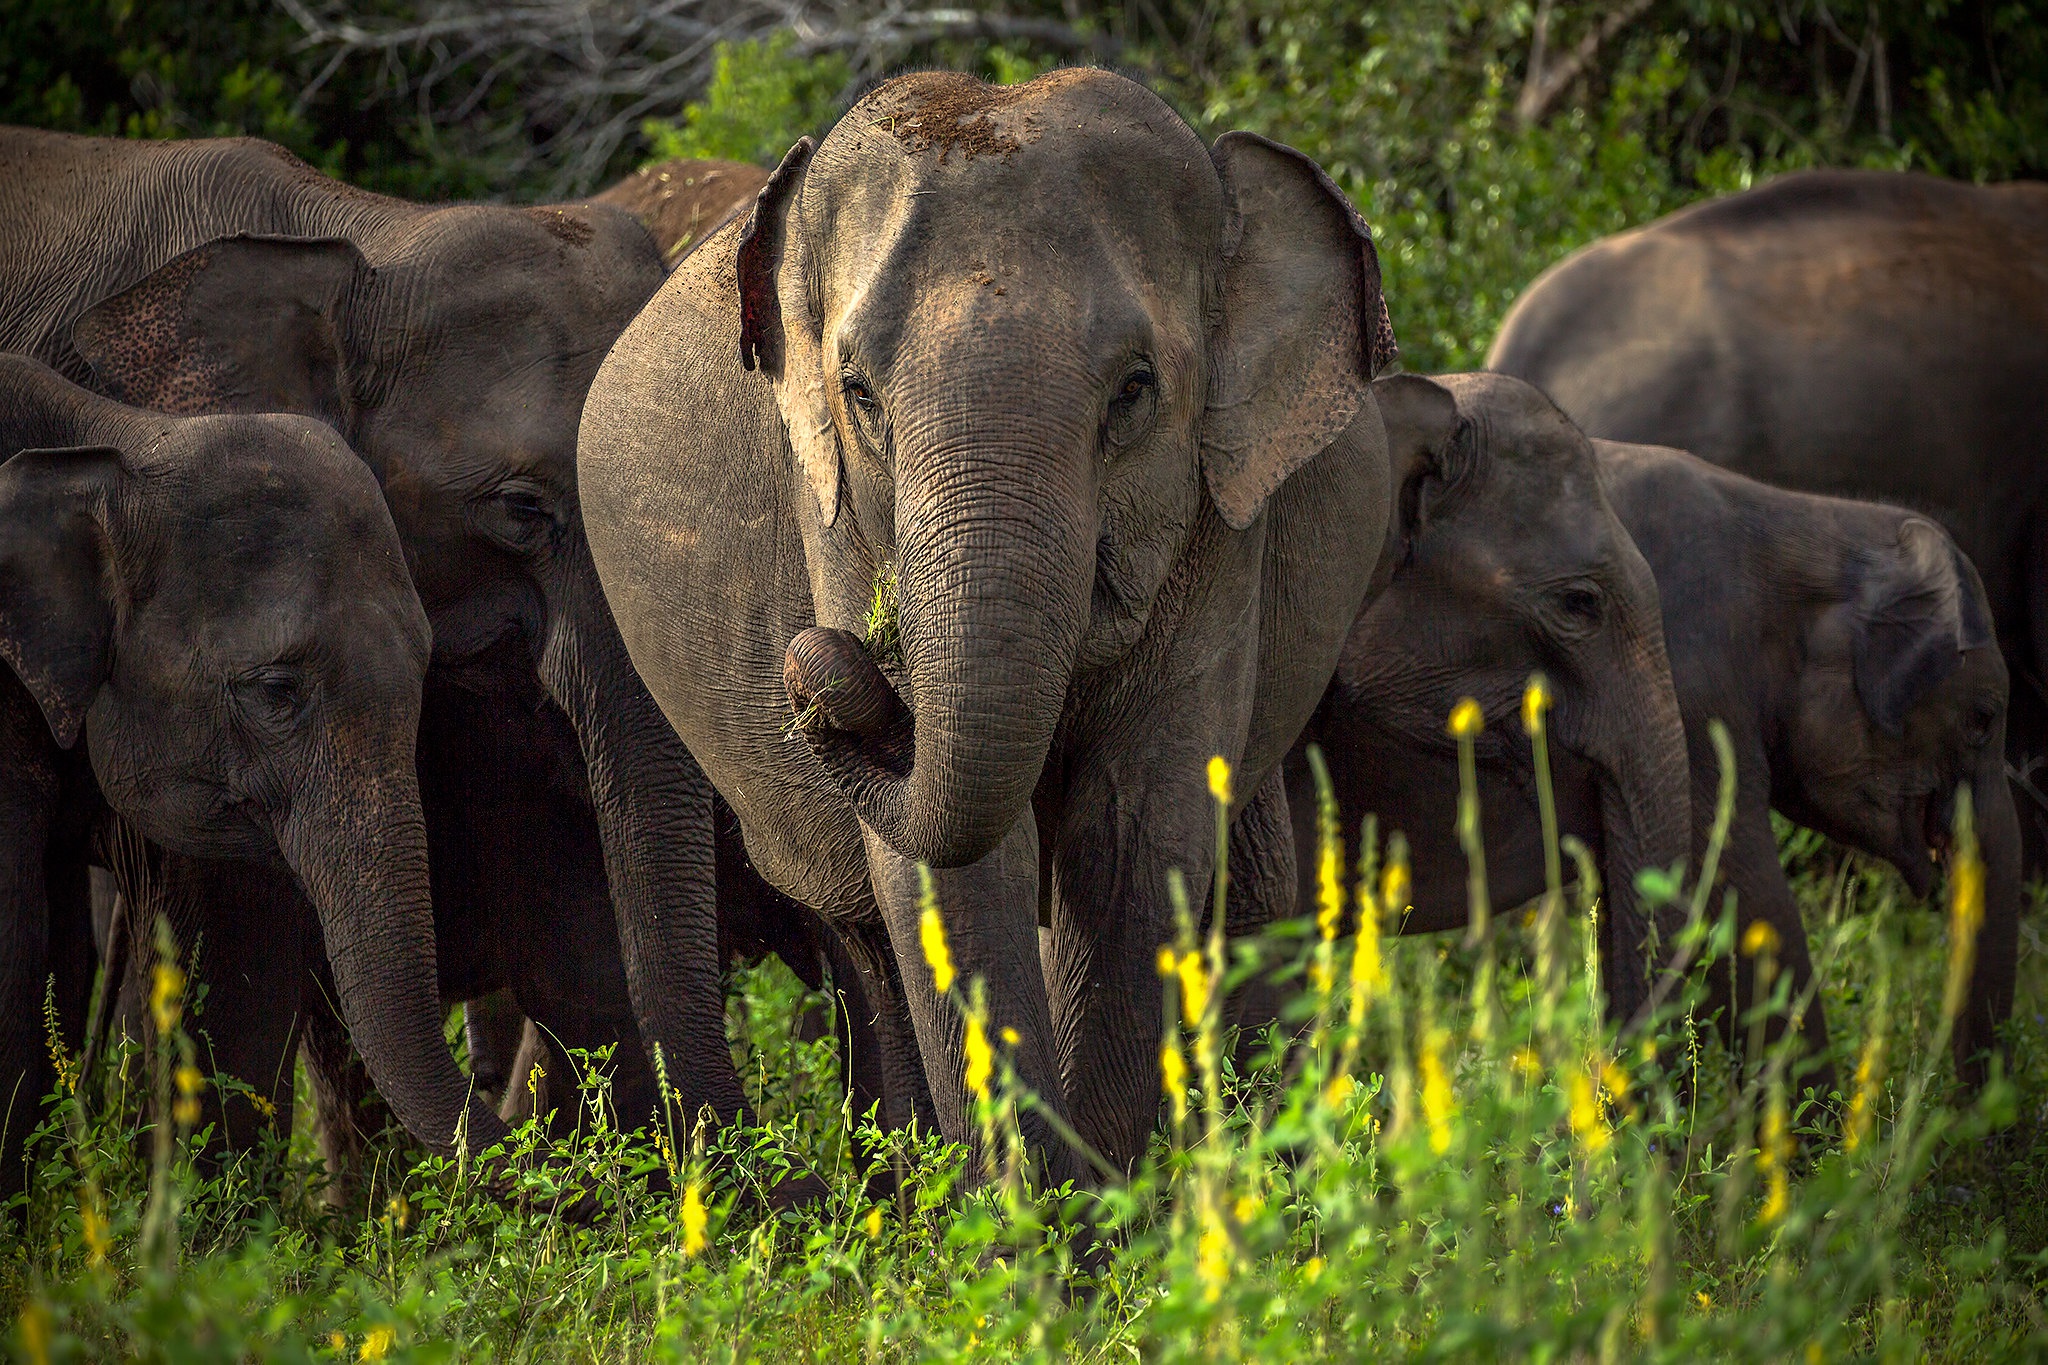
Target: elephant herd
(535, 608)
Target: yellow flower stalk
(1759, 938)
(980, 1058)
(1863, 1104)
(1219, 780)
(99, 1239)
(1368, 971)
(1965, 907)
(1438, 1106)
(1467, 720)
(377, 1344)
(1535, 701)
(1194, 985)
(1212, 1257)
(694, 1219)
(931, 933)
(1173, 1077)
(1774, 1154)
(873, 1224)
(1339, 1091)
(1587, 1123)
(167, 996)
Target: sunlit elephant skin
(1849, 333)
(209, 633)
(682, 202)
(452, 348)
(1096, 398)
(1503, 559)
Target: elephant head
(1902, 702)
(453, 349)
(219, 607)
(1504, 559)
(1018, 336)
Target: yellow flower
(1212, 1258)
(190, 1082)
(377, 1344)
(1247, 1207)
(1394, 886)
(694, 1219)
(1467, 720)
(1437, 1103)
(1194, 985)
(1329, 875)
(931, 932)
(35, 1332)
(1173, 1076)
(1368, 972)
(398, 1211)
(874, 1222)
(263, 1106)
(980, 1059)
(336, 1342)
(1700, 1296)
(1313, 1271)
(1167, 962)
(1010, 1036)
(1339, 1090)
(1614, 1079)
(98, 1239)
(1774, 1153)
(1965, 909)
(186, 1112)
(1863, 1104)
(1219, 780)
(1528, 1063)
(1813, 1353)
(1759, 938)
(1585, 1112)
(1535, 701)
(166, 996)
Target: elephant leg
(245, 932)
(878, 1009)
(990, 910)
(558, 1032)
(861, 1068)
(1750, 865)
(28, 794)
(1993, 974)
(493, 1026)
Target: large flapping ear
(1917, 611)
(1304, 326)
(241, 324)
(780, 330)
(56, 612)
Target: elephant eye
(274, 695)
(1582, 603)
(1132, 407)
(866, 409)
(1978, 728)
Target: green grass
(1456, 1164)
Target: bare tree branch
(1545, 81)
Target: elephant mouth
(1929, 843)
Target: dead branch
(1545, 80)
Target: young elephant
(1503, 559)
(209, 632)
(1091, 401)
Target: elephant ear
(1918, 609)
(1303, 328)
(241, 324)
(56, 609)
(780, 330)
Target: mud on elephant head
(1017, 411)
(218, 608)
(1503, 559)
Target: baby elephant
(1846, 646)
(209, 632)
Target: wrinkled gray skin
(1503, 559)
(452, 348)
(1856, 334)
(1848, 647)
(1100, 397)
(208, 630)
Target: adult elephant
(1088, 405)
(1503, 559)
(208, 631)
(1858, 334)
(683, 201)
(452, 348)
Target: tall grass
(1442, 1151)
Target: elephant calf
(209, 633)
(1846, 645)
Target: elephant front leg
(990, 913)
(1762, 894)
(28, 790)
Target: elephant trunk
(653, 807)
(1989, 1002)
(995, 561)
(1645, 818)
(359, 851)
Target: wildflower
(1467, 720)
(98, 1238)
(873, 1225)
(1313, 1271)
(1339, 1090)
(1212, 1258)
(1535, 701)
(1528, 1063)
(1437, 1104)
(1368, 972)
(377, 1344)
(1700, 1295)
(1246, 1208)
(1167, 962)
(262, 1105)
(931, 932)
(1219, 780)
(336, 1342)
(1965, 908)
(1173, 1075)
(1010, 1036)
(694, 1219)
(1614, 1079)
(1774, 1153)
(1585, 1112)
(53, 1035)
(166, 996)
(1869, 1075)
(1329, 874)
(398, 1211)
(1759, 938)
(1394, 884)
(980, 1058)
(1194, 985)
(35, 1332)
